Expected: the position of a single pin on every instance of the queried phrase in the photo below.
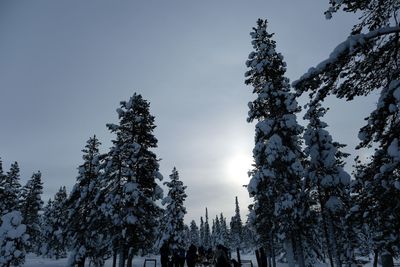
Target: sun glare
(237, 168)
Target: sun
(237, 167)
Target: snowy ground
(34, 261)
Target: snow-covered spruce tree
(194, 234)
(368, 61)
(212, 235)
(201, 232)
(224, 230)
(275, 181)
(30, 206)
(215, 232)
(13, 240)
(330, 183)
(219, 233)
(53, 223)
(207, 233)
(10, 189)
(173, 228)
(86, 225)
(236, 234)
(130, 175)
(374, 206)
(186, 236)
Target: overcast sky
(65, 65)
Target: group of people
(195, 256)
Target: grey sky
(65, 65)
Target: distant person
(209, 255)
(181, 257)
(191, 256)
(175, 258)
(201, 254)
(164, 255)
(235, 263)
(178, 257)
(221, 257)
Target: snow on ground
(35, 261)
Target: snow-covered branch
(344, 48)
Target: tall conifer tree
(326, 177)
(207, 233)
(236, 228)
(87, 226)
(54, 219)
(31, 205)
(11, 189)
(131, 171)
(173, 228)
(202, 232)
(194, 234)
(276, 178)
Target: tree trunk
(273, 251)
(387, 260)
(259, 263)
(376, 255)
(263, 258)
(289, 253)
(299, 250)
(327, 237)
(325, 228)
(114, 263)
(122, 257)
(269, 257)
(332, 237)
(130, 258)
(238, 256)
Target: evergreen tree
(11, 187)
(207, 233)
(194, 234)
(368, 61)
(330, 183)
(219, 232)
(86, 225)
(53, 223)
(13, 240)
(186, 236)
(236, 228)
(224, 230)
(374, 209)
(275, 181)
(202, 231)
(31, 205)
(130, 188)
(173, 230)
(213, 236)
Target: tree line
(114, 208)
(306, 209)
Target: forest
(307, 207)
